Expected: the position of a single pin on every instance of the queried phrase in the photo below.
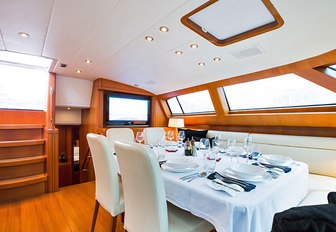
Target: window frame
(278, 110)
(193, 113)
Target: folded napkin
(284, 168)
(246, 186)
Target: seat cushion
(183, 221)
(315, 198)
(321, 183)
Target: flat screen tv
(126, 109)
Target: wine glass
(139, 136)
(248, 144)
(181, 137)
(170, 135)
(230, 149)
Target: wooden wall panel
(92, 119)
(21, 117)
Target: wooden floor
(69, 209)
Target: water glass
(210, 161)
(248, 144)
(161, 153)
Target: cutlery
(188, 176)
(201, 174)
(217, 181)
(246, 186)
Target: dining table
(248, 211)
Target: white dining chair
(153, 135)
(146, 209)
(114, 134)
(109, 192)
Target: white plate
(277, 159)
(253, 179)
(178, 167)
(245, 170)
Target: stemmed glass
(248, 144)
(139, 136)
(231, 150)
(170, 135)
(181, 137)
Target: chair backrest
(144, 192)
(114, 134)
(153, 135)
(106, 172)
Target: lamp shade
(176, 122)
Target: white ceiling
(111, 33)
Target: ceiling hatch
(224, 22)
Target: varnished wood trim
(21, 143)
(22, 181)
(21, 161)
(20, 126)
(245, 35)
(52, 149)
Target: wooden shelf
(22, 181)
(21, 161)
(20, 143)
(20, 126)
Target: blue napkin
(284, 168)
(246, 186)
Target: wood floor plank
(68, 210)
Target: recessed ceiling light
(201, 63)
(88, 61)
(178, 53)
(68, 108)
(78, 71)
(23, 34)
(193, 45)
(164, 29)
(216, 59)
(149, 38)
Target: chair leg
(94, 219)
(114, 223)
(122, 217)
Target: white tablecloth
(248, 211)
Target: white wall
(68, 117)
(72, 92)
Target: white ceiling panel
(111, 33)
(31, 16)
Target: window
(126, 109)
(23, 81)
(332, 67)
(192, 103)
(283, 91)
(23, 88)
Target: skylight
(333, 67)
(277, 92)
(192, 103)
(227, 21)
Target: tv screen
(126, 109)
